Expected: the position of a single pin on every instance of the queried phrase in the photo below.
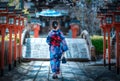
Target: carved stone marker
(77, 49)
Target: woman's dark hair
(54, 24)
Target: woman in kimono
(57, 47)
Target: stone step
(38, 48)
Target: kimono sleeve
(64, 46)
(48, 39)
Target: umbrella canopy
(49, 13)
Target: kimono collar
(56, 30)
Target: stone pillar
(104, 47)
(109, 50)
(2, 51)
(10, 49)
(117, 50)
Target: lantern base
(2, 72)
(15, 63)
(109, 66)
(104, 62)
(19, 60)
(118, 70)
(9, 67)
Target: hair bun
(54, 24)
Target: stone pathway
(71, 71)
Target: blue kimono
(57, 45)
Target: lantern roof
(110, 7)
(49, 13)
(11, 8)
(31, 10)
(3, 4)
(18, 11)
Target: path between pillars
(71, 71)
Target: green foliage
(13, 38)
(88, 1)
(17, 40)
(10, 1)
(97, 41)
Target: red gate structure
(102, 26)
(106, 25)
(11, 26)
(16, 27)
(20, 28)
(3, 26)
(116, 24)
(9, 20)
(111, 17)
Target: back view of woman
(57, 47)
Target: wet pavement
(71, 71)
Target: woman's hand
(62, 55)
